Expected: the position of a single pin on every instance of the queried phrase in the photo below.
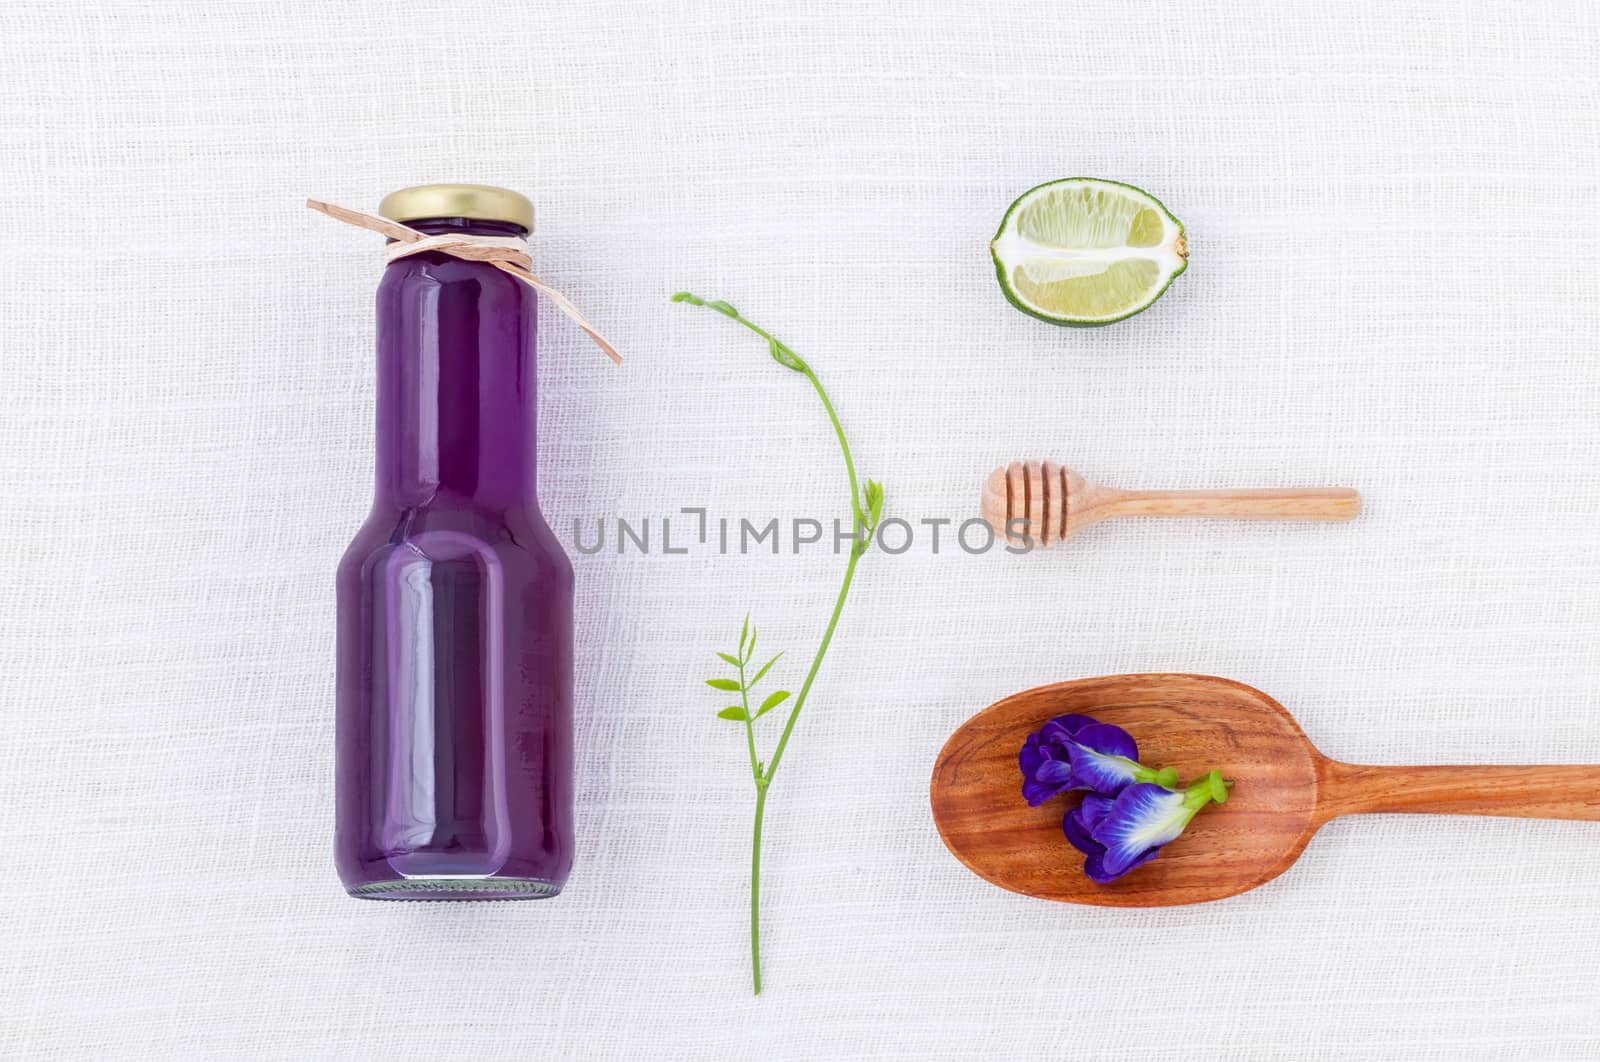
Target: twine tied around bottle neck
(509, 254)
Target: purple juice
(455, 605)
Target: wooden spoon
(1048, 503)
(1284, 790)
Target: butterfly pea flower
(1127, 831)
(1080, 752)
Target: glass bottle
(455, 598)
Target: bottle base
(446, 888)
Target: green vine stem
(866, 510)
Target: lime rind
(1112, 256)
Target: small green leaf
(874, 501)
(750, 649)
(722, 307)
(735, 713)
(743, 633)
(731, 685)
(776, 698)
(693, 300)
(785, 357)
(764, 669)
(735, 661)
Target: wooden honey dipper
(1062, 503)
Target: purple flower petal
(1063, 728)
(1036, 794)
(1094, 867)
(1050, 778)
(1107, 740)
(1053, 771)
(1030, 756)
(1144, 818)
(1079, 823)
(1094, 809)
(1045, 757)
(1078, 833)
(1078, 826)
(1108, 775)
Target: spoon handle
(1337, 503)
(1523, 792)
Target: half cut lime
(1083, 251)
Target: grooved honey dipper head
(1029, 499)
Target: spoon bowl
(1284, 790)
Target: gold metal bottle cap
(478, 201)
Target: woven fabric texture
(1394, 286)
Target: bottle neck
(456, 369)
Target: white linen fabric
(1394, 285)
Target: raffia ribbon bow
(509, 254)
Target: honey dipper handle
(1520, 792)
(1337, 503)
